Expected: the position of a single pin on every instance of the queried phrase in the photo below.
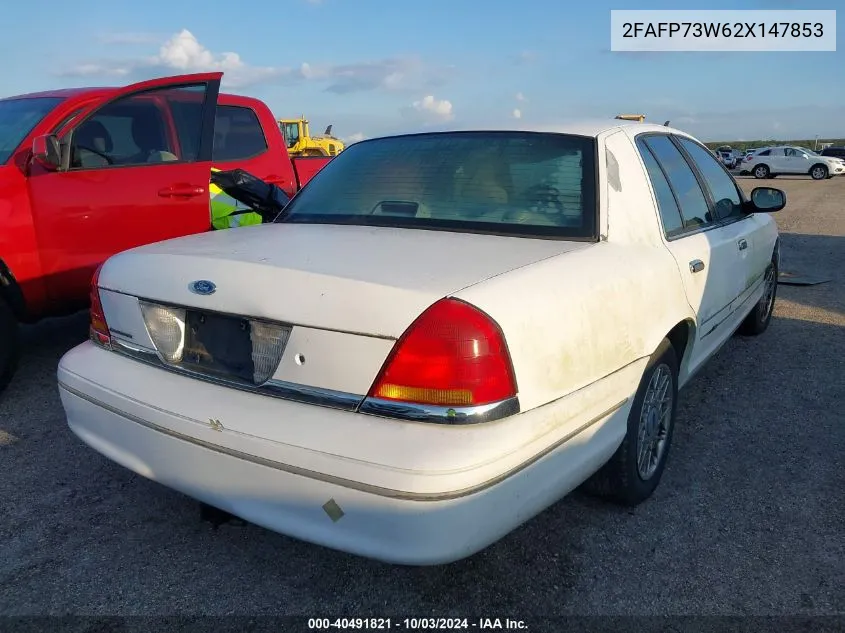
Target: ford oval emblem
(202, 287)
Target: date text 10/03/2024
(431, 624)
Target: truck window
(18, 117)
(238, 134)
(134, 131)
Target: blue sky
(373, 66)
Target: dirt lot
(749, 519)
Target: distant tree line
(744, 145)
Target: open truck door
(131, 170)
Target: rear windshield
(507, 183)
(17, 118)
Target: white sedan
(440, 336)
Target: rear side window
(508, 183)
(688, 193)
(726, 198)
(765, 152)
(666, 203)
(238, 134)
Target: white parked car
(729, 159)
(442, 335)
(784, 160)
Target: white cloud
(183, 53)
(436, 109)
(392, 74)
(517, 113)
(520, 96)
(354, 138)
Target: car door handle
(696, 266)
(742, 244)
(181, 191)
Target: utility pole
(816, 147)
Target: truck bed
(306, 167)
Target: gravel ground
(749, 519)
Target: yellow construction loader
(300, 142)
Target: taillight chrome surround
(167, 354)
(344, 401)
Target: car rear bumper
(310, 503)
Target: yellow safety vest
(228, 213)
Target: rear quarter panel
(579, 317)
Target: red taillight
(453, 355)
(99, 328)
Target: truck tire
(9, 344)
(622, 478)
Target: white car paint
(580, 321)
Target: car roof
(95, 91)
(590, 127)
(64, 93)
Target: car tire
(818, 172)
(622, 479)
(760, 316)
(9, 344)
(761, 171)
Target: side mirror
(767, 200)
(45, 150)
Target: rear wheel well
(11, 293)
(679, 337)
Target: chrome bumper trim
(440, 415)
(342, 400)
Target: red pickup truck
(86, 173)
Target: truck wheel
(759, 318)
(632, 474)
(761, 171)
(9, 344)
(818, 172)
